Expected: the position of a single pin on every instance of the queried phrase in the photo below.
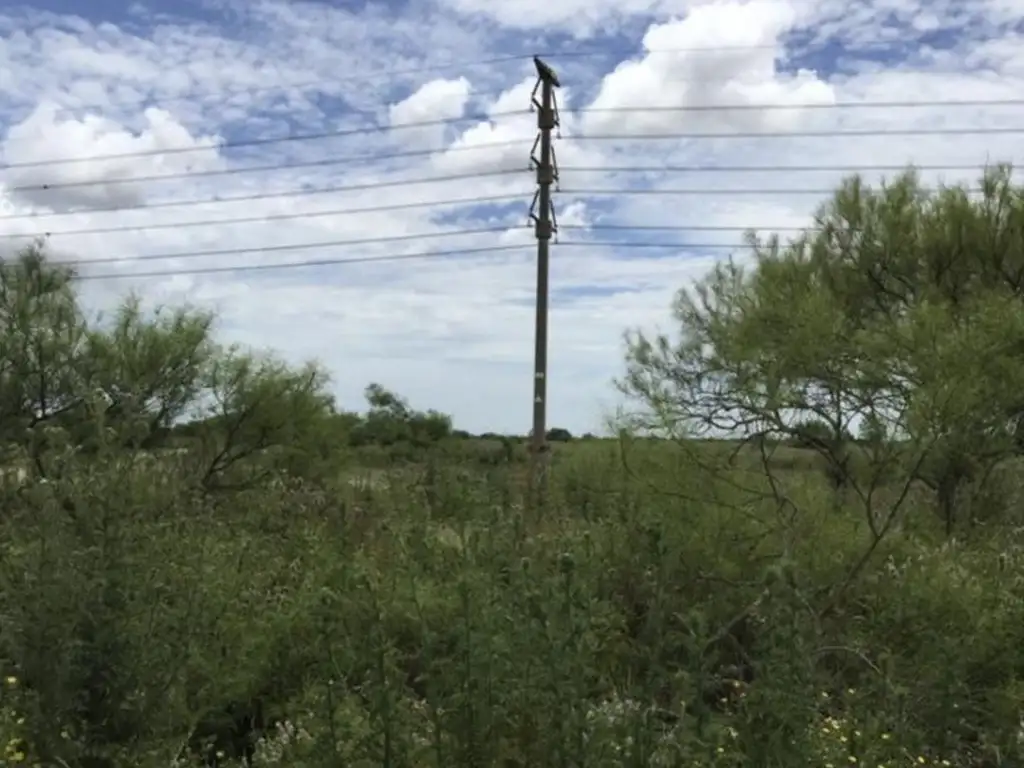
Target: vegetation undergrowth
(203, 562)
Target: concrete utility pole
(543, 215)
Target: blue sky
(455, 332)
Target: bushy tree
(257, 406)
(814, 433)
(390, 421)
(112, 560)
(42, 339)
(901, 308)
(148, 370)
(127, 379)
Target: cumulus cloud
(100, 153)
(743, 71)
(434, 101)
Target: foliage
(147, 371)
(558, 435)
(260, 406)
(391, 421)
(815, 434)
(901, 312)
(42, 334)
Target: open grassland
(657, 610)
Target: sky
(100, 100)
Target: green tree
(256, 407)
(902, 307)
(872, 430)
(42, 338)
(814, 433)
(148, 370)
(125, 380)
(559, 435)
(111, 581)
(390, 421)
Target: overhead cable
(244, 268)
(262, 141)
(277, 248)
(291, 193)
(306, 264)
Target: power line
(416, 236)
(596, 227)
(690, 228)
(372, 259)
(287, 247)
(682, 228)
(401, 238)
(204, 173)
(458, 177)
(254, 142)
(799, 134)
(299, 215)
(348, 211)
(648, 244)
(302, 264)
(738, 228)
(331, 161)
(369, 209)
(265, 217)
(483, 117)
(772, 168)
(269, 195)
(706, 191)
(766, 107)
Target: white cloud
(437, 99)
(733, 75)
(47, 135)
(456, 332)
(434, 101)
(582, 16)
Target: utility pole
(543, 216)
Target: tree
(390, 421)
(90, 403)
(126, 381)
(559, 435)
(148, 370)
(383, 401)
(42, 340)
(815, 433)
(872, 430)
(256, 406)
(901, 309)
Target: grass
(653, 613)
